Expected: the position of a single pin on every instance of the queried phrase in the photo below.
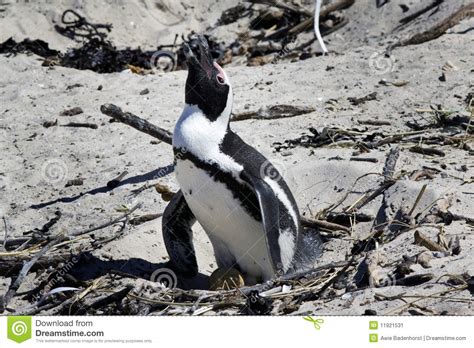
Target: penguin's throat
(197, 133)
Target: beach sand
(36, 162)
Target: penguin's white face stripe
(281, 195)
(230, 100)
(202, 137)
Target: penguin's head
(207, 85)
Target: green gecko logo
(316, 322)
(19, 328)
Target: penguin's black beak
(198, 56)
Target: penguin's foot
(226, 279)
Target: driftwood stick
(439, 29)
(423, 240)
(388, 172)
(11, 266)
(284, 6)
(427, 151)
(136, 122)
(145, 218)
(364, 159)
(311, 223)
(417, 200)
(415, 15)
(381, 189)
(80, 125)
(35, 308)
(414, 280)
(115, 182)
(14, 241)
(104, 300)
(105, 224)
(5, 238)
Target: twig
(414, 280)
(115, 182)
(80, 125)
(380, 3)
(144, 218)
(427, 151)
(381, 189)
(424, 173)
(418, 198)
(374, 122)
(422, 240)
(323, 224)
(413, 16)
(105, 300)
(439, 29)
(9, 267)
(283, 5)
(37, 308)
(58, 239)
(106, 224)
(14, 241)
(5, 236)
(136, 122)
(274, 112)
(364, 159)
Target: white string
(317, 10)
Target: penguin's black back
(255, 164)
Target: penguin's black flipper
(177, 225)
(269, 207)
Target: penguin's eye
(220, 79)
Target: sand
(36, 162)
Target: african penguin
(235, 193)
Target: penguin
(234, 192)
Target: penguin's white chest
(235, 235)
